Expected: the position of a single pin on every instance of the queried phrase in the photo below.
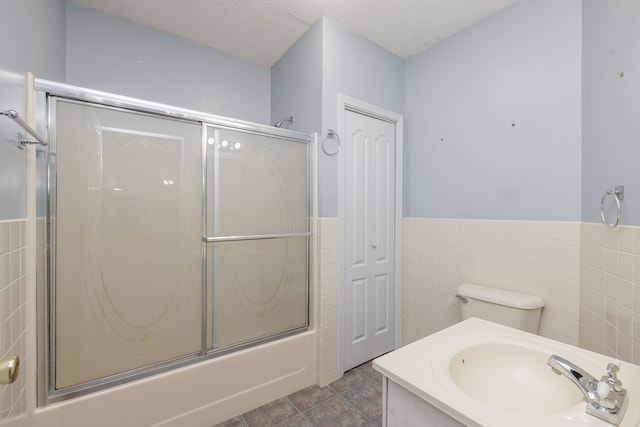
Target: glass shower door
(127, 221)
(257, 235)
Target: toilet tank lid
(500, 296)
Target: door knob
(9, 367)
(373, 245)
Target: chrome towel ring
(331, 142)
(618, 195)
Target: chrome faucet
(606, 399)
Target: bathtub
(201, 394)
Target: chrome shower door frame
(47, 95)
(210, 237)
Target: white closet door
(368, 292)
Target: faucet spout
(581, 378)
(604, 401)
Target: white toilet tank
(509, 308)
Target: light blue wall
(115, 55)
(105, 53)
(296, 83)
(463, 158)
(33, 39)
(326, 61)
(521, 66)
(611, 106)
(356, 67)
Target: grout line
(348, 402)
(294, 406)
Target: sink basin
(483, 374)
(513, 378)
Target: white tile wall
(543, 258)
(328, 300)
(588, 275)
(610, 291)
(540, 258)
(13, 317)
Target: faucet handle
(612, 376)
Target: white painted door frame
(345, 103)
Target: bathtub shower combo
(165, 237)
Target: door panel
(382, 296)
(383, 205)
(359, 202)
(369, 152)
(128, 225)
(358, 311)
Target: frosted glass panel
(260, 288)
(257, 184)
(128, 250)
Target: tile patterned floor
(353, 400)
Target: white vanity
(478, 373)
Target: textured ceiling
(261, 31)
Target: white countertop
(422, 367)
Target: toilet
(509, 308)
